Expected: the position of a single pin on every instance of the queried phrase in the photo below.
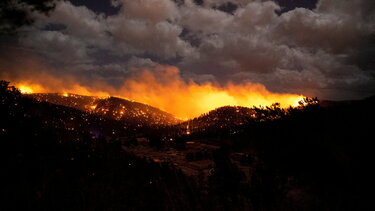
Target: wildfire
(25, 90)
(165, 89)
(29, 88)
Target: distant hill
(225, 117)
(79, 102)
(332, 103)
(121, 109)
(112, 107)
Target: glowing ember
(187, 130)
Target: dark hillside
(311, 157)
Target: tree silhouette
(8, 94)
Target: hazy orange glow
(164, 88)
(27, 89)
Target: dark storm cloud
(98, 6)
(324, 49)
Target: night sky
(320, 48)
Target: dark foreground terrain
(318, 156)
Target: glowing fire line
(205, 101)
(167, 91)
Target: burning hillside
(111, 107)
(164, 88)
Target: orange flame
(25, 89)
(29, 89)
(165, 89)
